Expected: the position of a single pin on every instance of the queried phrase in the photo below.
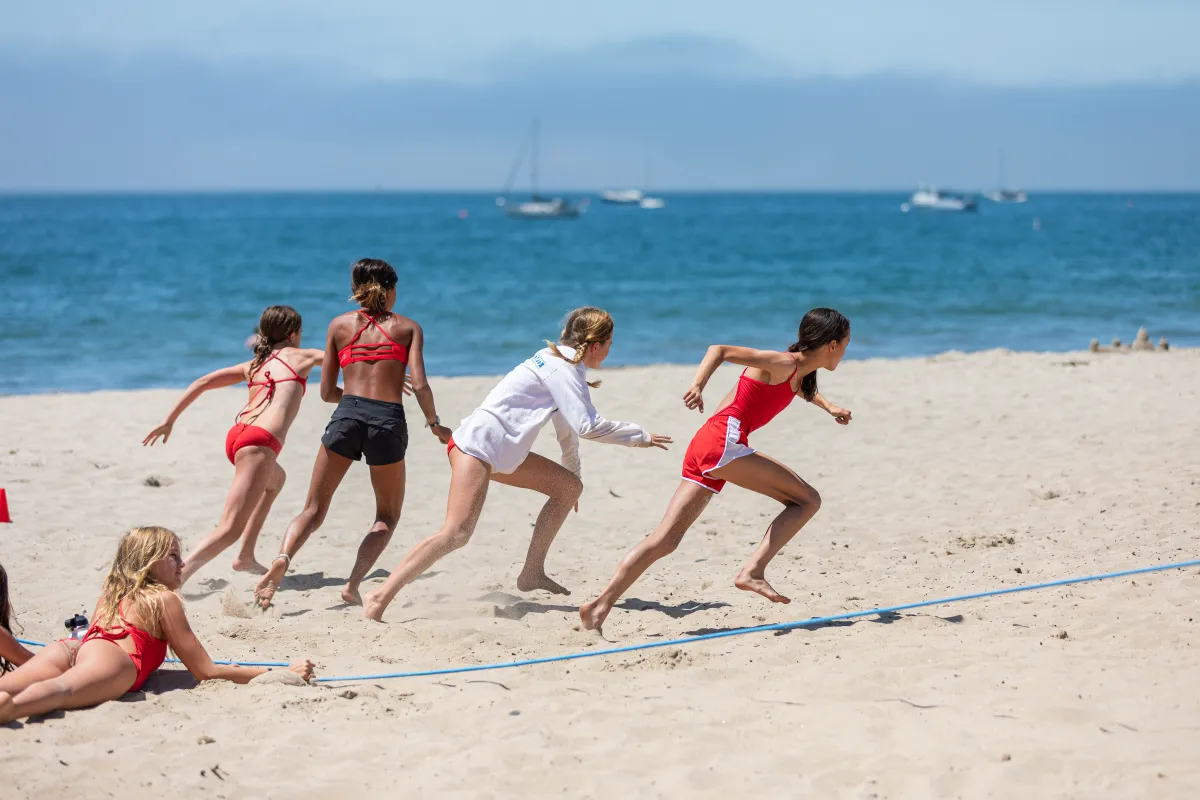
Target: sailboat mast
(533, 163)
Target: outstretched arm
(777, 364)
(840, 414)
(213, 380)
(195, 657)
(569, 390)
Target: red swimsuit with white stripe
(725, 436)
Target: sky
(857, 94)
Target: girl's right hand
(302, 667)
(163, 430)
(660, 441)
(693, 399)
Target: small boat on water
(1008, 196)
(930, 199)
(537, 206)
(1002, 195)
(622, 197)
(652, 202)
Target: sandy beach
(960, 473)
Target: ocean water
(128, 291)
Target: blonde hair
(129, 581)
(583, 326)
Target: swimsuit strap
(795, 369)
(261, 400)
(275, 355)
(371, 352)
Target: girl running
(720, 452)
(12, 654)
(374, 347)
(493, 444)
(137, 618)
(277, 377)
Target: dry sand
(959, 473)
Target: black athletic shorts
(373, 428)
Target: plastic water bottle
(77, 625)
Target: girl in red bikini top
(137, 618)
(276, 377)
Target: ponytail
(583, 326)
(819, 327)
(370, 281)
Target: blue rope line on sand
(782, 626)
(31, 643)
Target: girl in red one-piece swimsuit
(136, 619)
(277, 377)
(720, 451)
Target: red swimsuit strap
(261, 400)
(371, 352)
(269, 379)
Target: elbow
(328, 395)
(420, 387)
(204, 673)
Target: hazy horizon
(683, 97)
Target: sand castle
(1140, 342)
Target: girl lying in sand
(720, 451)
(137, 618)
(12, 654)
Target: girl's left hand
(442, 433)
(842, 415)
(693, 398)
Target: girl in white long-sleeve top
(493, 444)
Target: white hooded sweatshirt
(502, 430)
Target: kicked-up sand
(959, 473)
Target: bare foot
(264, 591)
(373, 609)
(532, 581)
(6, 708)
(593, 615)
(746, 582)
(351, 596)
(249, 565)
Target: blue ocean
(129, 291)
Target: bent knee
(456, 537)
(278, 479)
(665, 546)
(571, 489)
(807, 496)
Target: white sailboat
(930, 199)
(537, 206)
(1002, 195)
(622, 197)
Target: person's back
(276, 388)
(373, 352)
